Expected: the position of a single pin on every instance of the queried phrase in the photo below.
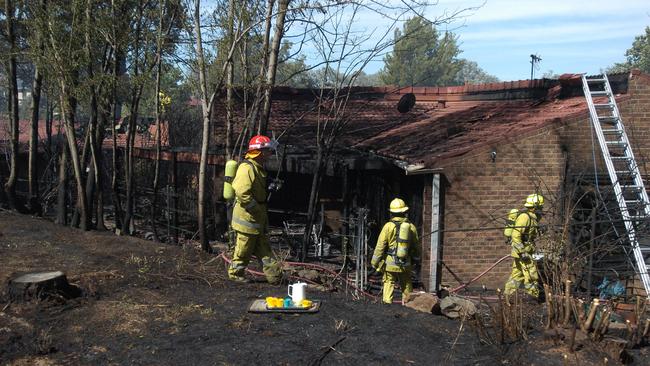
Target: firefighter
(524, 269)
(397, 251)
(249, 217)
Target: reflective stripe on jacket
(249, 214)
(386, 249)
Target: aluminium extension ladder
(622, 167)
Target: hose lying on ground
(307, 265)
(480, 275)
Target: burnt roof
(444, 124)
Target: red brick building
(460, 156)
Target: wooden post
(549, 306)
(592, 314)
(567, 303)
(345, 228)
(603, 325)
(573, 338)
(435, 238)
(580, 306)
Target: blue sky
(570, 36)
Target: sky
(570, 36)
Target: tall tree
(12, 106)
(65, 44)
(37, 54)
(421, 56)
(205, 108)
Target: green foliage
(471, 73)
(293, 70)
(422, 56)
(638, 56)
(368, 79)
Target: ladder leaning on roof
(622, 167)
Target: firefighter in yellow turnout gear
(249, 217)
(396, 252)
(524, 269)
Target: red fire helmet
(261, 142)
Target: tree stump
(41, 285)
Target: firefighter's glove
(525, 257)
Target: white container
(297, 292)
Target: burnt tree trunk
(34, 202)
(61, 206)
(313, 200)
(69, 119)
(133, 120)
(156, 177)
(12, 106)
(84, 157)
(205, 142)
(99, 175)
(230, 79)
(49, 119)
(117, 204)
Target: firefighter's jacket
(523, 234)
(249, 214)
(385, 256)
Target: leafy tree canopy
(638, 56)
(422, 56)
(472, 73)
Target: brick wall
(479, 192)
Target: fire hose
(306, 265)
(480, 275)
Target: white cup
(297, 292)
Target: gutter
(409, 169)
(416, 169)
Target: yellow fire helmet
(534, 200)
(398, 206)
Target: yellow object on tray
(274, 302)
(278, 302)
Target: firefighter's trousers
(258, 245)
(524, 274)
(390, 279)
